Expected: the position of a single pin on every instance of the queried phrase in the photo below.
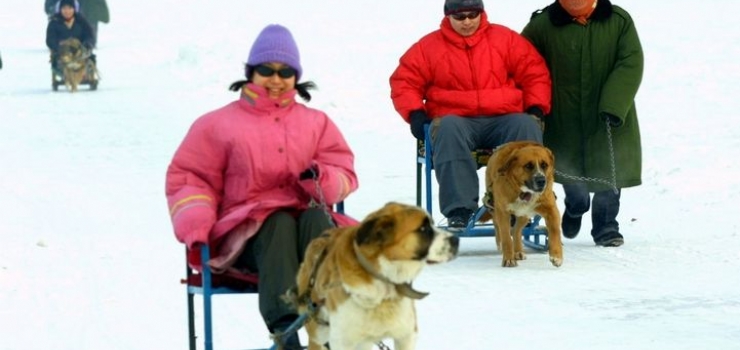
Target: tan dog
(519, 180)
(359, 278)
(74, 62)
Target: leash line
(613, 164)
(313, 308)
(322, 200)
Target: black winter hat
(454, 6)
(70, 3)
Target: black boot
(570, 225)
(609, 239)
(458, 219)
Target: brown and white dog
(357, 280)
(74, 62)
(519, 182)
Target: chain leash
(613, 163)
(322, 200)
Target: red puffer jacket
(495, 71)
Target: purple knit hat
(275, 44)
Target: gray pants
(453, 138)
(275, 253)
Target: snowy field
(89, 260)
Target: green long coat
(95, 10)
(596, 71)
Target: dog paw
(520, 256)
(556, 261)
(509, 263)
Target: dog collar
(404, 289)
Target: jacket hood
(458, 40)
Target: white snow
(88, 259)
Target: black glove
(538, 116)
(417, 119)
(613, 120)
(310, 173)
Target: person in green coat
(95, 11)
(596, 62)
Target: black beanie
(455, 6)
(70, 3)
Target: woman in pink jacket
(244, 176)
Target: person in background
(67, 23)
(50, 8)
(594, 55)
(244, 177)
(478, 85)
(95, 11)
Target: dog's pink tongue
(525, 196)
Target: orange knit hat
(579, 9)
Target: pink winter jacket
(240, 163)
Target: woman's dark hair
(302, 88)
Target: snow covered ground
(89, 260)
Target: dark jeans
(275, 253)
(604, 212)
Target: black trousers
(275, 253)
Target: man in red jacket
(478, 85)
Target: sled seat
(535, 236)
(207, 284)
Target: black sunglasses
(267, 71)
(463, 15)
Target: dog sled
(534, 235)
(207, 285)
(74, 66)
(201, 281)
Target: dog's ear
(551, 159)
(507, 165)
(374, 231)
